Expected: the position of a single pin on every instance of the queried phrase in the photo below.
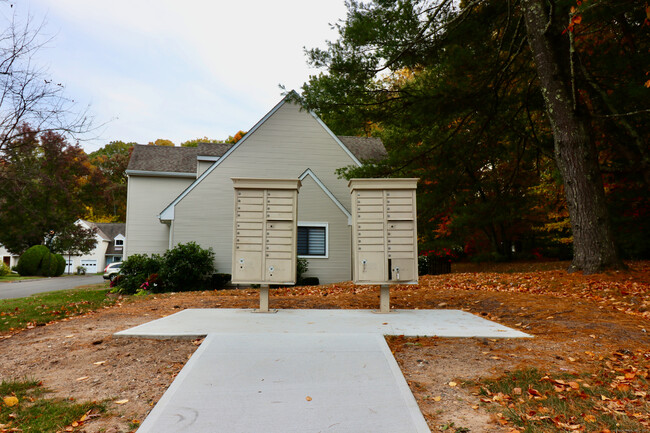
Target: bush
(310, 281)
(187, 267)
(4, 270)
(135, 270)
(61, 264)
(29, 262)
(302, 266)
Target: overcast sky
(178, 69)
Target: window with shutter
(312, 241)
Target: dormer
(118, 242)
(209, 153)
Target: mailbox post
(384, 234)
(265, 233)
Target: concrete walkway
(297, 370)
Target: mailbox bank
(384, 232)
(265, 233)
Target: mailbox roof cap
(383, 183)
(260, 183)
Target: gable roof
(167, 214)
(169, 159)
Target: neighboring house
(8, 258)
(111, 241)
(177, 195)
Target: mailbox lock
(271, 269)
(364, 262)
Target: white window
(312, 240)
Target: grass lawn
(23, 403)
(43, 308)
(16, 277)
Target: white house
(177, 195)
(111, 241)
(8, 258)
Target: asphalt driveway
(23, 288)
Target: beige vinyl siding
(315, 207)
(146, 197)
(202, 166)
(205, 215)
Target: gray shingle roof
(163, 158)
(183, 159)
(213, 149)
(365, 148)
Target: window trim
(327, 238)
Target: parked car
(111, 271)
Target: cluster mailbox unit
(384, 233)
(265, 233)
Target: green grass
(47, 307)
(36, 414)
(536, 402)
(16, 277)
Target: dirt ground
(574, 319)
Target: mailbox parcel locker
(384, 231)
(265, 232)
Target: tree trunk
(575, 151)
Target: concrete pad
(251, 383)
(443, 323)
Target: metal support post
(264, 300)
(384, 298)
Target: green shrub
(61, 264)
(30, 261)
(186, 267)
(4, 270)
(135, 271)
(302, 266)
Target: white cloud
(181, 69)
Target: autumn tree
(74, 240)
(231, 139)
(110, 204)
(161, 142)
(43, 181)
(521, 51)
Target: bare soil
(574, 319)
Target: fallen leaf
(574, 385)
(122, 401)
(308, 398)
(10, 401)
(79, 379)
(516, 391)
(99, 362)
(452, 384)
(437, 398)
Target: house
(8, 258)
(177, 195)
(111, 241)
